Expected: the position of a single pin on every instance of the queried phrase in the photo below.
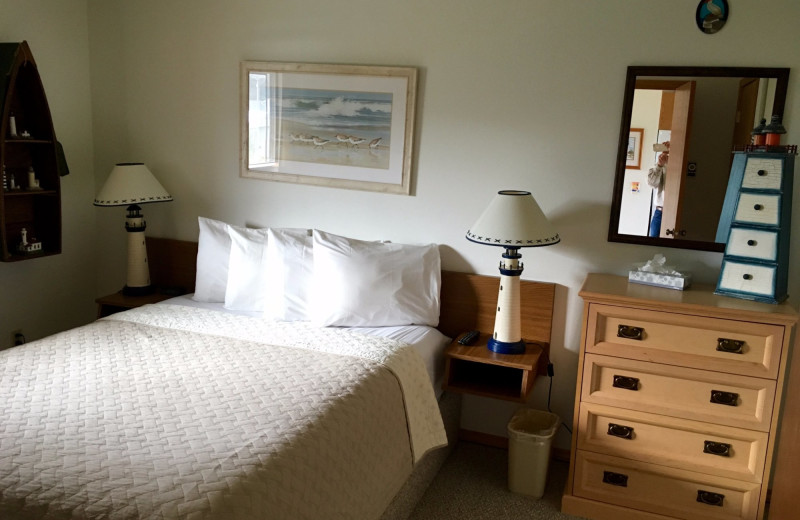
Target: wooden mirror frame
(782, 77)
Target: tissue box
(670, 281)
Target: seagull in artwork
(713, 8)
(375, 142)
(320, 142)
(343, 138)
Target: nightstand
(118, 302)
(475, 369)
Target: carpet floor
(473, 485)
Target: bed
(186, 409)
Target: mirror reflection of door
(680, 126)
(707, 118)
(746, 109)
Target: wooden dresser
(677, 402)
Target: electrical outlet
(17, 338)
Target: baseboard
(497, 441)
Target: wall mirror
(704, 113)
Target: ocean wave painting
(343, 126)
(335, 127)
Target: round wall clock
(711, 15)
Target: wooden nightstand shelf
(118, 302)
(477, 370)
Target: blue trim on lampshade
(488, 241)
(505, 347)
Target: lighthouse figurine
(28, 246)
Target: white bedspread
(174, 412)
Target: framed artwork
(633, 157)
(343, 126)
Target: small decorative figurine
(757, 134)
(12, 125)
(33, 182)
(773, 131)
(25, 246)
(12, 183)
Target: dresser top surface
(608, 288)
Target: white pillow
(363, 284)
(289, 268)
(246, 280)
(213, 251)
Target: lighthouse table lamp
(132, 184)
(512, 221)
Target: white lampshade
(513, 219)
(131, 183)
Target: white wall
(522, 94)
(50, 294)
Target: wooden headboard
(468, 300)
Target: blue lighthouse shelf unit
(756, 225)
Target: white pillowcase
(361, 284)
(289, 268)
(246, 270)
(213, 252)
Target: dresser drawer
(678, 392)
(763, 174)
(668, 491)
(668, 441)
(758, 208)
(751, 349)
(747, 279)
(753, 243)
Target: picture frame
(633, 158)
(341, 126)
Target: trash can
(530, 434)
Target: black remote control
(469, 338)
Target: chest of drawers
(677, 402)
(755, 225)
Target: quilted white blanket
(175, 412)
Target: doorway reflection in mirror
(704, 118)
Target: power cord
(550, 374)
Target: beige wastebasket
(530, 435)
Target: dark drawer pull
(717, 448)
(618, 430)
(709, 498)
(615, 479)
(626, 383)
(732, 346)
(747, 276)
(628, 332)
(726, 398)
(761, 173)
(758, 207)
(751, 242)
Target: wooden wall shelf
(38, 212)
